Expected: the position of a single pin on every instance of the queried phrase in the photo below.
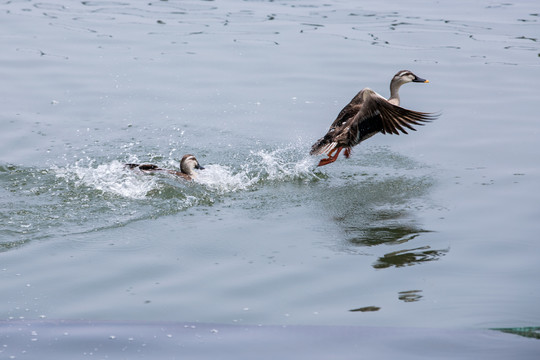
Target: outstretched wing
(395, 119)
(366, 115)
(378, 115)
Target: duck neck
(186, 171)
(394, 93)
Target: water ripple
(90, 195)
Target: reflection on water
(377, 235)
(532, 332)
(378, 211)
(376, 214)
(410, 295)
(366, 309)
(408, 257)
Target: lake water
(436, 229)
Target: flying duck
(367, 114)
(187, 165)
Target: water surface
(436, 229)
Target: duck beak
(199, 167)
(420, 80)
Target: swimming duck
(367, 114)
(187, 165)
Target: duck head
(402, 77)
(406, 76)
(188, 164)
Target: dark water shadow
(532, 332)
(381, 210)
(408, 257)
(378, 213)
(410, 295)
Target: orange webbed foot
(326, 161)
(331, 158)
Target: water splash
(109, 178)
(280, 165)
(223, 179)
(262, 166)
(259, 167)
(97, 193)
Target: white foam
(260, 166)
(277, 165)
(111, 178)
(222, 179)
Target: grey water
(436, 229)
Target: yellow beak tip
(426, 81)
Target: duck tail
(323, 146)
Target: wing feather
(395, 118)
(367, 114)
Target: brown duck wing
(349, 111)
(148, 167)
(366, 123)
(395, 119)
(328, 141)
(367, 114)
